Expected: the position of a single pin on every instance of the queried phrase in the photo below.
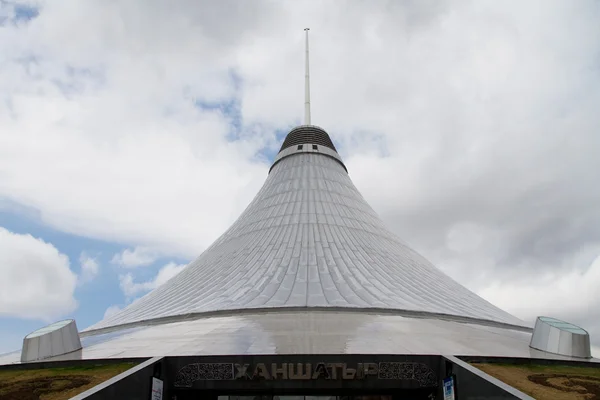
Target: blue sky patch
(19, 13)
(94, 297)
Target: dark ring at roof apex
(307, 134)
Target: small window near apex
(315, 147)
(299, 147)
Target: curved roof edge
(244, 311)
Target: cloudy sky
(133, 133)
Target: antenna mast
(306, 86)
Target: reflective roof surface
(309, 239)
(306, 332)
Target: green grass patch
(55, 383)
(556, 369)
(556, 382)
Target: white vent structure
(56, 339)
(559, 337)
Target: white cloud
(110, 311)
(126, 154)
(36, 280)
(89, 268)
(140, 256)
(569, 295)
(469, 126)
(131, 288)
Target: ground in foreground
(548, 381)
(55, 383)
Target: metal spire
(306, 86)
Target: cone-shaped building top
(309, 240)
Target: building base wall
(297, 377)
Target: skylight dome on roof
(552, 335)
(48, 328)
(53, 340)
(565, 326)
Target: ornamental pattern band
(407, 371)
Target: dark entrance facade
(305, 377)
(400, 395)
(404, 395)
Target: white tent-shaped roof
(308, 240)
